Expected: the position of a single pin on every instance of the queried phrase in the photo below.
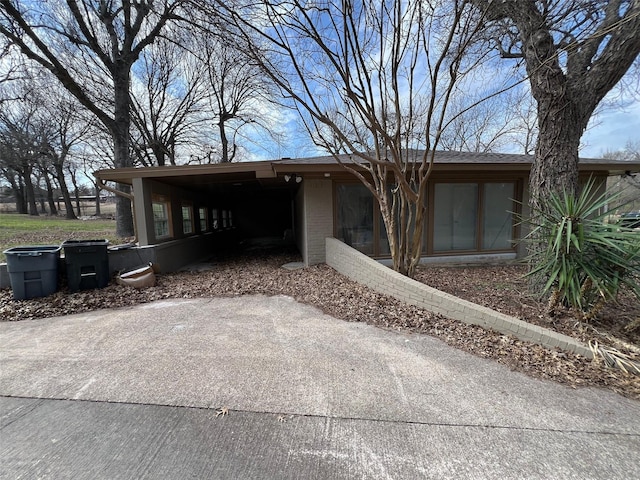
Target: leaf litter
(498, 287)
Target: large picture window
(473, 216)
(464, 217)
(455, 216)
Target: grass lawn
(22, 230)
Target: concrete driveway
(135, 393)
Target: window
(359, 222)
(215, 222)
(462, 217)
(225, 218)
(187, 219)
(161, 216)
(455, 216)
(473, 216)
(497, 219)
(203, 218)
(354, 221)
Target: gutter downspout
(103, 186)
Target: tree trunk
(225, 142)
(555, 164)
(404, 221)
(21, 201)
(18, 192)
(30, 192)
(98, 211)
(52, 203)
(159, 153)
(68, 206)
(77, 195)
(120, 133)
(43, 207)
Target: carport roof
(269, 169)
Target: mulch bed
(504, 288)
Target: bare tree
(372, 82)
(95, 152)
(169, 101)
(574, 52)
(71, 38)
(481, 124)
(236, 90)
(20, 146)
(526, 120)
(9, 68)
(68, 127)
(56, 121)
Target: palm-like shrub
(584, 260)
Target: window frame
(428, 241)
(189, 208)
(165, 202)
(203, 216)
(479, 220)
(378, 222)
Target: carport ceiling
(225, 182)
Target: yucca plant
(583, 260)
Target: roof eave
(126, 175)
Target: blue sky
(611, 131)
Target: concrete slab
(134, 392)
(86, 440)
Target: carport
(209, 208)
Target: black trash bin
(87, 264)
(33, 270)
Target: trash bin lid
(32, 250)
(80, 243)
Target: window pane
(160, 219)
(202, 214)
(187, 224)
(355, 217)
(214, 215)
(497, 223)
(455, 213)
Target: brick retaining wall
(365, 270)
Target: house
(184, 213)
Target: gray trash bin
(33, 270)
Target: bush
(584, 260)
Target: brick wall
(367, 271)
(318, 218)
